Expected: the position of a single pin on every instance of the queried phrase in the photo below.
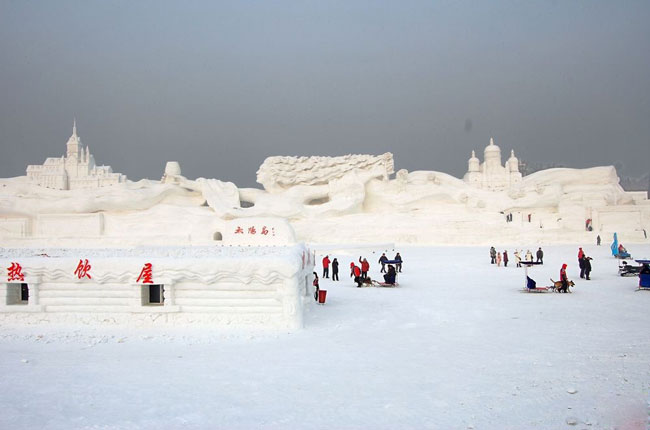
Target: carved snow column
(292, 303)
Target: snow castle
(75, 170)
(490, 174)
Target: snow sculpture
(74, 171)
(490, 174)
(279, 173)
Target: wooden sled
(383, 284)
(537, 290)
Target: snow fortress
(346, 199)
(263, 286)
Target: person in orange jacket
(365, 267)
(326, 267)
(356, 272)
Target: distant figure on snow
(493, 255)
(315, 284)
(505, 258)
(389, 277)
(356, 272)
(335, 270)
(382, 260)
(587, 263)
(365, 267)
(326, 266)
(529, 256)
(581, 262)
(498, 259)
(598, 240)
(398, 263)
(517, 258)
(540, 255)
(563, 278)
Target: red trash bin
(322, 294)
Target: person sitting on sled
(530, 283)
(389, 278)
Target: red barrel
(322, 294)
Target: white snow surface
(455, 346)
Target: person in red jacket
(563, 278)
(365, 267)
(326, 267)
(356, 272)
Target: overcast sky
(219, 86)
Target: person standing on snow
(598, 240)
(587, 263)
(398, 264)
(382, 260)
(365, 267)
(517, 258)
(540, 256)
(529, 256)
(315, 284)
(335, 270)
(326, 267)
(493, 255)
(505, 258)
(581, 262)
(563, 278)
(498, 259)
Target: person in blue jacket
(389, 277)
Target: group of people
(584, 263)
(359, 272)
(498, 257)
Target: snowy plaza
(456, 346)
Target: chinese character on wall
(82, 269)
(146, 274)
(15, 272)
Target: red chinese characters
(146, 274)
(82, 269)
(251, 230)
(239, 230)
(15, 272)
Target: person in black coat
(540, 256)
(587, 267)
(389, 277)
(335, 270)
(382, 260)
(398, 264)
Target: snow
(456, 346)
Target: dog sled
(531, 285)
(629, 270)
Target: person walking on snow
(505, 258)
(326, 267)
(335, 270)
(493, 255)
(540, 255)
(383, 259)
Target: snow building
(491, 175)
(75, 170)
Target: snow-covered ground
(456, 346)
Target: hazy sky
(219, 86)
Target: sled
(537, 290)
(384, 284)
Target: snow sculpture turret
(75, 170)
(491, 174)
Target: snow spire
(491, 141)
(74, 126)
